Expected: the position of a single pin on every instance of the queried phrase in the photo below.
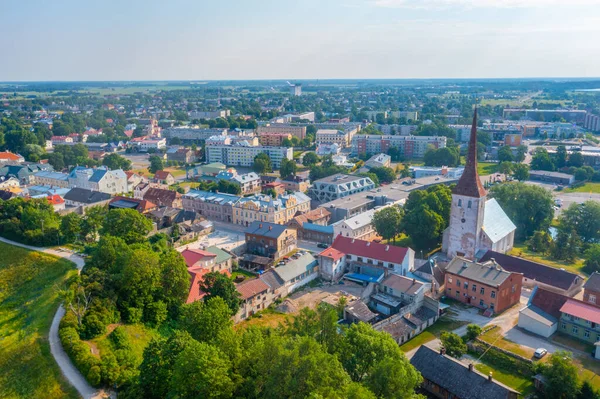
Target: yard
(486, 168)
(515, 381)
(28, 301)
(593, 188)
(267, 318)
(495, 337)
(444, 323)
(521, 251)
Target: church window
(459, 202)
(469, 205)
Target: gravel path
(62, 359)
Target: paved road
(62, 359)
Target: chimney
(414, 281)
(387, 247)
(270, 228)
(470, 366)
(490, 377)
(260, 226)
(442, 351)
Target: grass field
(586, 188)
(486, 168)
(28, 301)
(515, 381)
(139, 336)
(495, 337)
(267, 318)
(521, 251)
(433, 332)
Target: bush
(133, 315)
(69, 320)
(92, 326)
(80, 354)
(156, 313)
(504, 361)
(120, 339)
(473, 331)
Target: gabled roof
(312, 216)
(496, 224)
(141, 206)
(454, 376)
(332, 253)
(250, 288)
(547, 301)
(581, 310)
(593, 282)
(272, 279)
(489, 273)
(55, 199)
(162, 174)
(85, 196)
(383, 252)
(266, 229)
(222, 256)
(193, 256)
(160, 196)
(9, 156)
(402, 284)
(533, 271)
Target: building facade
(338, 186)
(240, 155)
(409, 146)
(264, 208)
(270, 239)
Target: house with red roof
(364, 261)
(7, 156)
(57, 202)
(201, 262)
(163, 177)
(256, 295)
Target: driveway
(62, 359)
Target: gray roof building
(489, 273)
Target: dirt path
(62, 359)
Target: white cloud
(482, 3)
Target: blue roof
(362, 277)
(318, 228)
(98, 175)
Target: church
(477, 224)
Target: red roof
(250, 288)
(10, 156)
(196, 277)
(55, 199)
(367, 249)
(128, 133)
(469, 183)
(193, 256)
(332, 253)
(581, 310)
(144, 205)
(161, 174)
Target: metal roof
(296, 267)
(496, 224)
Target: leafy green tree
(216, 284)
(453, 344)
(288, 168)
(70, 226)
(530, 208)
(584, 219)
(262, 163)
(473, 331)
(505, 154)
(175, 280)
(566, 245)
(561, 156)
(592, 259)
(127, 224)
(201, 371)
(575, 159)
(156, 164)
(505, 167)
(139, 279)
(540, 242)
(310, 159)
(520, 171)
(320, 324)
(521, 153)
(562, 377)
(387, 222)
(116, 161)
(384, 174)
(92, 222)
(33, 152)
(394, 377)
(424, 226)
(206, 320)
(541, 160)
(447, 156)
(587, 391)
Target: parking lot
(223, 239)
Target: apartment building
(592, 122)
(244, 139)
(249, 183)
(209, 114)
(270, 239)
(408, 115)
(99, 179)
(213, 206)
(338, 186)
(274, 139)
(53, 179)
(264, 208)
(241, 155)
(409, 146)
(192, 134)
(359, 227)
(282, 128)
(333, 136)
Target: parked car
(540, 353)
(322, 245)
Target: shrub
(120, 339)
(156, 313)
(133, 315)
(92, 326)
(473, 331)
(80, 354)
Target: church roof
(469, 184)
(496, 224)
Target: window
(586, 334)
(466, 285)
(575, 330)
(458, 283)
(459, 203)
(592, 298)
(449, 279)
(474, 288)
(481, 303)
(360, 259)
(457, 294)
(493, 294)
(469, 205)
(482, 291)
(564, 326)
(514, 288)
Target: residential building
(61, 140)
(264, 208)
(445, 377)
(592, 122)
(270, 239)
(199, 263)
(56, 201)
(411, 319)
(537, 274)
(54, 179)
(338, 186)
(563, 179)
(24, 172)
(424, 171)
(542, 312)
(486, 285)
(591, 289)
(296, 183)
(133, 180)
(328, 149)
(242, 155)
(145, 144)
(209, 114)
(364, 258)
(372, 115)
(512, 139)
(140, 205)
(333, 136)
(379, 161)
(249, 183)
(358, 227)
(429, 271)
(192, 134)
(318, 216)
(213, 206)
(83, 197)
(163, 197)
(301, 117)
(44, 191)
(282, 128)
(274, 139)
(296, 90)
(296, 272)
(276, 186)
(315, 233)
(408, 115)
(256, 295)
(9, 157)
(396, 291)
(7, 183)
(163, 177)
(569, 115)
(476, 223)
(410, 147)
(100, 179)
(397, 130)
(181, 154)
(242, 139)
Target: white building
(209, 114)
(99, 179)
(144, 144)
(333, 136)
(358, 227)
(243, 155)
(425, 171)
(338, 186)
(476, 223)
(409, 146)
(328, 149)
(192, 133)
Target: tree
(562, 377)
(206, 320)
(520, 153)
(175, 280)
(156, 164)
(94, 217)
(530, 208)
(453, 344)
(116, 161)
(139, 280)
(505, 167)
(394, 377)
(540, 242)
(217, 284)
(70, 226)
(473, 331)
(201, 371)
(384, 174)
(541, 160)
(520, 171)
(447, 156)
(288, 168)
(561, 156)
(584, 219)
(505, 154)
(587, 391)
(127, 224)
(575, 159)
(566, 245)
(310, 159)
(592, 259)
(387, 222)
(424, 226)
(262, 163)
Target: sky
(71, 40)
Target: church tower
(462, 237)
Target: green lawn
(495, 337)
(515, 381)
(139, 336)
(28, 301)
(432, 332)
(486, 168)
(586, 188)
(521, 251)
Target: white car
(540, 353)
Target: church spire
(469, 184)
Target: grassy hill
(28, 301)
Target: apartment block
(240, 155)
(409, 146)
(274, 139)
(297, 131)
